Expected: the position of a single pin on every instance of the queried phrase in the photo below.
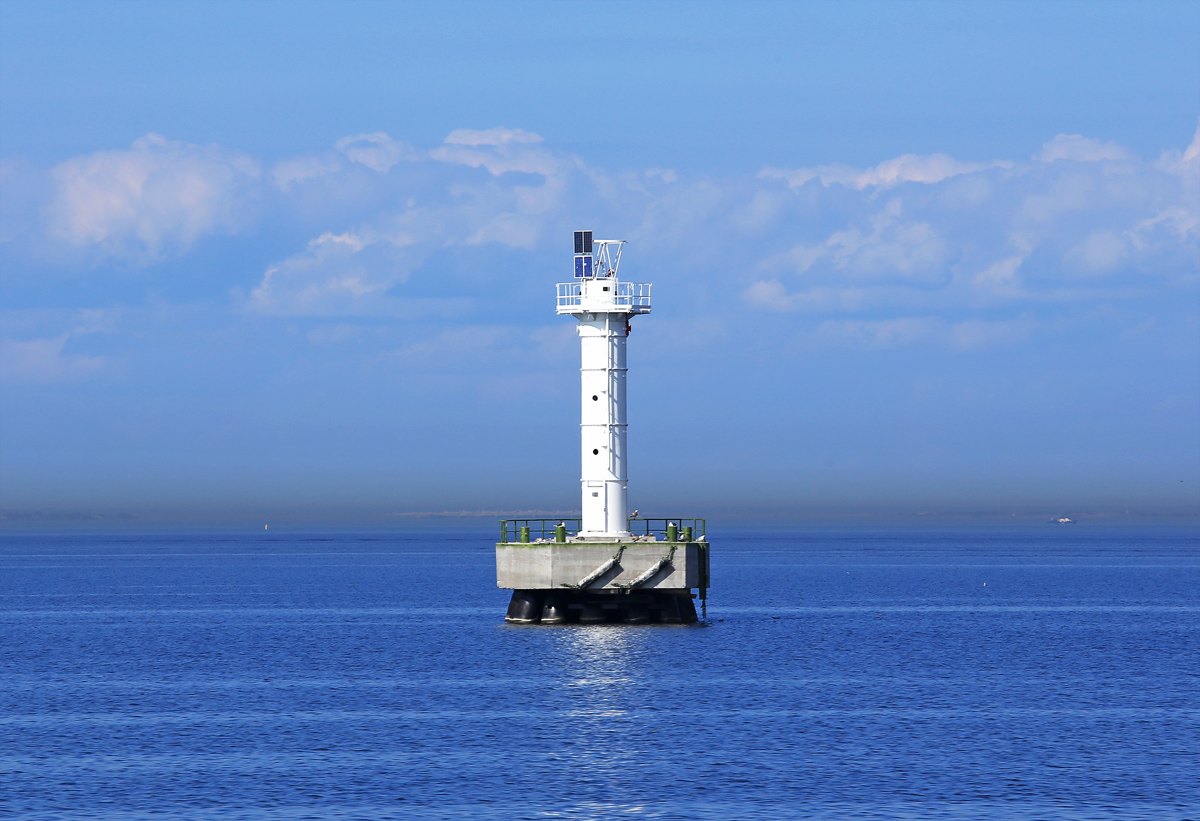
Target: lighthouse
(606, 565)
(604, 306)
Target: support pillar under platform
(595, 607)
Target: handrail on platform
(634, 295)
(537, 528)
(522, 530)
(657, 525)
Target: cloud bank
(914, 249)
(152, 201)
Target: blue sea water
(1007, 674)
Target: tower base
(650, 564)
(562, 577)
(601, 607)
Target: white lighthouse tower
(604, 566)
(604, 306)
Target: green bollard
(560, 533)
(672, 533)
(687, 534)
(525, 534)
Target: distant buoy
(265, 527)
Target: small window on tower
(595, 398)
(595, 451)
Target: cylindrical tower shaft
(605, 478)
(603, 305)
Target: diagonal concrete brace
(598, 572)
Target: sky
(297, 260)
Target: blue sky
(297, 259)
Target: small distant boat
(1065, 520)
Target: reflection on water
(599, 654)
(600, 666)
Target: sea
(1026, 672)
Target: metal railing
(521, 530)
(569, 294)
(686, 530)
(670, 530)
(633, 294)
(628, 295)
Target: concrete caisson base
(553, 566)
(641, 581)
(588, 607)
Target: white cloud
(1081, 149)
(964, 237)
(892, 245)
(499, 150)
(1106, 227)
(354, 272)
(906, 168)
(492, 136)
(886, 246)
(667, 175)
(1100, 251)
(351, 273)
(1185, 164)
(352, 241)
(520, 226)
(769, 293)
(150, 202)
(1191, 156)
(1180, 221)
(329, 278)
(44, 358)
(999, 276)
(377, 151)
(293, 170)
(913, 236)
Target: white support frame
(607, 256)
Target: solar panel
(583, 242)
(587, 265)
(579, 266)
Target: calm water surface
(1010, 674)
